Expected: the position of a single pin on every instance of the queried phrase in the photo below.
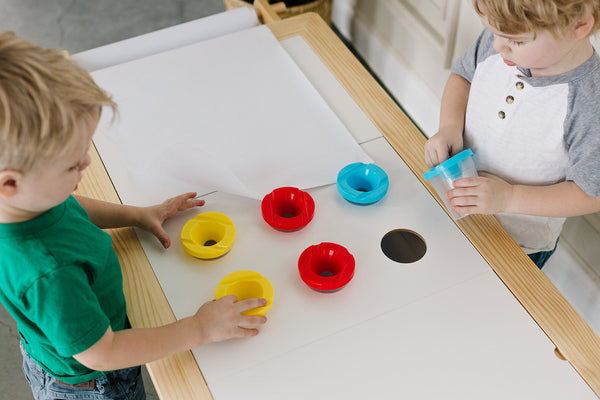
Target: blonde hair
(45, 98)
(523, 16)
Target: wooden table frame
(179, 377)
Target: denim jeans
(124, 384)
(541, 257)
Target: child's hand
(222, 319)
(442, 146)
(483, 194)
(151, 218)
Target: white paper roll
(167, 39)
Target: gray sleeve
(582, 133)
(481, 49)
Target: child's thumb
(162, 235)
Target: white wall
(403, 56)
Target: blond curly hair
(45, 98)
(522, 16)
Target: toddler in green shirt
(59, 276)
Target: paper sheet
(232, 114)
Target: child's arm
(449, 139)
(488, 194)
(107, 215)
(215, 321)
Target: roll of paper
(167, 39)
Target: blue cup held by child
(443, 175)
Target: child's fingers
(429, 161)
(178, 203)
(249, 321)
(184, 196)
(194, 203)
(436, 156)
(442, 154)
(249, 304)
(466, 209)
(245, 332)
(466, 182)
(188, 200)
(431, 157)
(227, 299)
(162, 236)
(465, 200)
(225, 320)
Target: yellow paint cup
(208, 235)
(247, 285)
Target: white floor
(578, 284)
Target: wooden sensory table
(179, 377)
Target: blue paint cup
(442, 176)
(361, 183)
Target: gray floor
(77, 25)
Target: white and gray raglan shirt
(532, 131)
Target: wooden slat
(268, 12)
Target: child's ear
(583, 27)
(9, 182)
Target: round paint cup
(208, 235)
(362, 183)
(443, 175)
(247, 285)
(326, 267)
(288, 208)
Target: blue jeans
(541, 257)
(124, 384)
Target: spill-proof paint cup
(208, 235)
(247, 285)
(288, 208)
(362, 183)
(326, 267)
(443, 175)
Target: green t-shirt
(61, 281)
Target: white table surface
(442, 327)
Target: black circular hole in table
(403, 246)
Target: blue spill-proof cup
(361, 183)
(442, 176)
